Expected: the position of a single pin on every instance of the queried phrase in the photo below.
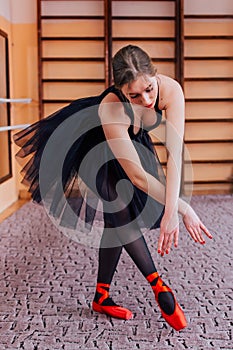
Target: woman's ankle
(102, 294)
(153, 278)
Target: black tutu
(74, 174)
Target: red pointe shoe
(168, 305)
(106, 305)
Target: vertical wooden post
(179, 68)
(179, 50)
(39, 51)
(108, 41)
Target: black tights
(112, 242)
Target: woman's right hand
(195, 226)
(169, 233)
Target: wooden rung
(227, 99)
(71, 38)
(147, 0)
(86, 80)
(57, 101)
(208, 58)
(163, 59)
(146, 18)
(72, 59)
(217, 161)
(65, 17)
(163, 164)
(208, 37)
(209, 182)
(158, 143)
(118, 0)
(143, 39)
(208, 16)
(207, 141)
(206, 120)
(209, 79)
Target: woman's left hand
(169, 233)
(195, 226)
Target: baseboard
(24, 194)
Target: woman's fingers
(176, 238)
(170, 240)
(192, 233)
(160, 242)
(205, 230)
(196, 233)
(195, 227)
(166, 240)
(199, 235)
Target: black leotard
(71, 187)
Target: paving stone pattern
(48, 282)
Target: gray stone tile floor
(48, 281)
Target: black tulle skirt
(73, 173)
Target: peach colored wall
(8, 189)
(18, 20)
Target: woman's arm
(115, 125)
(175, 115)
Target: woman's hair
(129, 63)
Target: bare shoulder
(170, 90)
(111, 111)
(110, 97)
(168, 82)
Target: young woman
(111, 158)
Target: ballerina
(120, 121)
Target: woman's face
(143, 91)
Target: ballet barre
(15, 100)
(13, 127)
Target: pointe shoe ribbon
(172, 312)
(110, 310)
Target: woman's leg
(112, 241)
(136, 246)
(140, 254)
(109, 255)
